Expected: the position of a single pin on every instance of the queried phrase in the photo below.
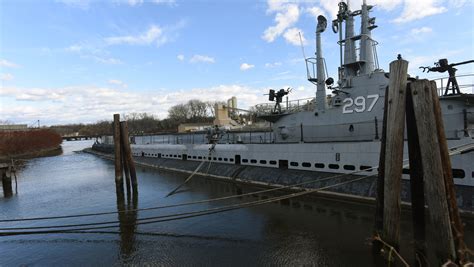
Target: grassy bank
(28, 143)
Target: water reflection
(127, 215)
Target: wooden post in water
(416, 183)
(6, 181)
(118, 156)
(431, 161)
(377, 245)
(456, 223)
(393, 163)
(381, 172)
(125, 164)
(128, 156)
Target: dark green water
(303, 232)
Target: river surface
(300, 232)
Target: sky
(80, 61)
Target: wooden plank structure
(431, 178)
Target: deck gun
(277, 96)
(443, 66)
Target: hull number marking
(359, 104)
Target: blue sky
(73, 61)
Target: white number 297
(358, 104)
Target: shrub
(20, 142)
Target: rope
(208, 158)
(391, 251)
(169, 217)
(186, 203)
(185, 181)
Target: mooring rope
(391, 251)
(169, 217)
(208, 158)
(189, 203)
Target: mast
(366, 42)
(321, 77)
(349, 47)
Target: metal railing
(465, 81)
(304, 104)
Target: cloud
(273, 65)
(422, 30)
(286, 16)
(6, 77)
(89, 103)
(246, 66)
(89, 51)
(202, 58)
(157, 2)
(154, 35)
(180, 57)
(167, 2)
(414, 10)
(8, 64)
(118, 83)
(292, 36)
(135, 2)
(315, 11)
(82, 4)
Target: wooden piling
(456, 223)
(118, 157)
(393, 163)
(434, 185)
(381, 172)
(416, 183)
(128, 156)
(125, 166)
(6, 183)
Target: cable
(185, 203)
(171, 217)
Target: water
(302, 232)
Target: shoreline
(47, 152)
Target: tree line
(143, 123)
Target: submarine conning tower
(352, 64)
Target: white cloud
(273, 65)
(286, 16)
(6, 77)
(118, 83)
(8, 64)
(246, 66)
(154, 35)
(168, 2)
(315, 11)
(180, 57)
(105, 60)
(135, 2)
(422, 30)
(419, 9)
(89, 51)
(92, 103)
(83, 4)
(292, 36)
(202, 58)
